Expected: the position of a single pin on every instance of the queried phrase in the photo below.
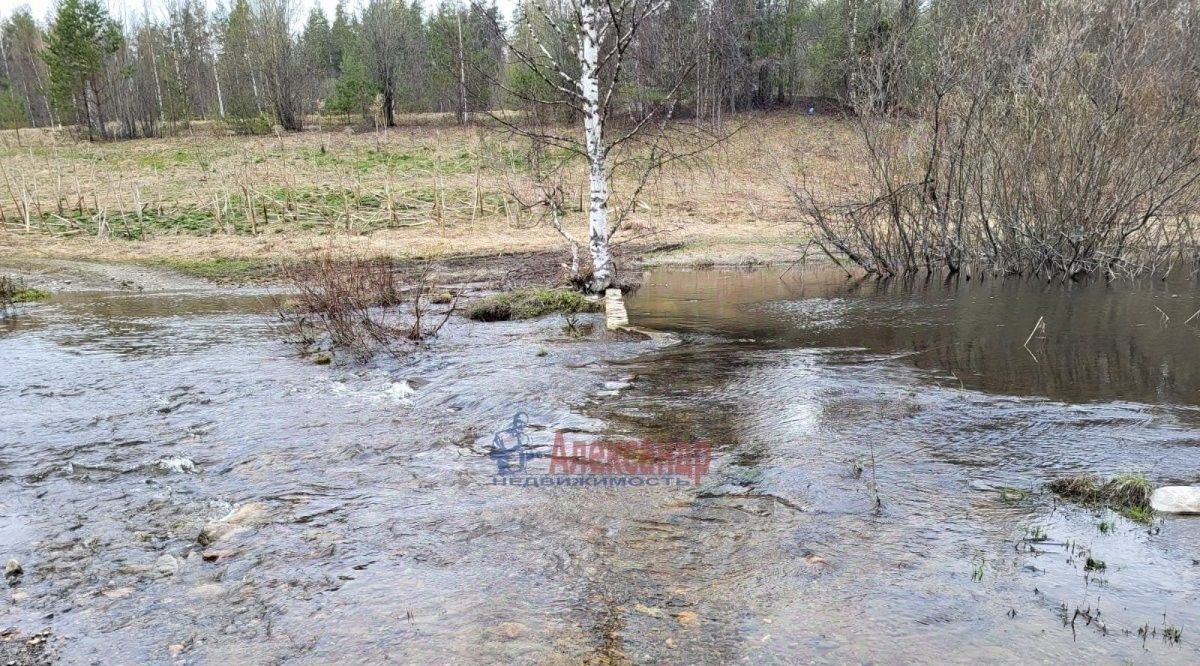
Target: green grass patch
(30, 295)
(220, 269)
(126, 225)
(329, 197)
(418, 160)
(1128, 494)
(169, 158)
(530, 303)
(14, 290)
(1139, 514)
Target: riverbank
(87, 269)
(226, 208)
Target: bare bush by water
(1058, 139)
(363, 305)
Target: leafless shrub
(1047, 138)
(363, 305)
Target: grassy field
(214, 205)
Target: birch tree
(21, 47)
(383, 37)
(575, 58)
(277, 52)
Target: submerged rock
(241, 518)
(400, 391)
(175, 465)
(166, 565)
(510, 630)
(816, 563)
(116, 592)
(215, 555)
(648, 610)
(251, 513)
(214, 532)
(13, 570)
(1176, 499)
(688, 618)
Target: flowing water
(875, 493)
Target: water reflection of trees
(1102, 341)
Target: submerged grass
(14, 290)
(1127, 493)
(1172, 634)
(530, 303)
(30, 295)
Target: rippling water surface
(880, 452)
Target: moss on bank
(530, 303)
(220, 269)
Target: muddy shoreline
(492, 271)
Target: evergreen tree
(318, 42)
(342, 34)
(354, 89)
(80, 39)
(12, 110)
(316, 54)
(242, 95)
(466, 54)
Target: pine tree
(465, 53)
(80, 39)
(318, 41)
(12, 111)
(242, 97)
(354, 89)
(342, 34)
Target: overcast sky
(120, 8)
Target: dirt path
(59, 275)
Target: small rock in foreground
(1176, 499)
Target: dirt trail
(59, 275)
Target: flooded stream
(879, 457)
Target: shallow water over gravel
(371, 531)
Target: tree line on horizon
(256, 64)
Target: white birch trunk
(593, 126)
(217, 79)
(157, 82)
(462, 71)
(254, 85)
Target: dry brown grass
(411, 191)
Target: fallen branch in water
(1041, 323)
